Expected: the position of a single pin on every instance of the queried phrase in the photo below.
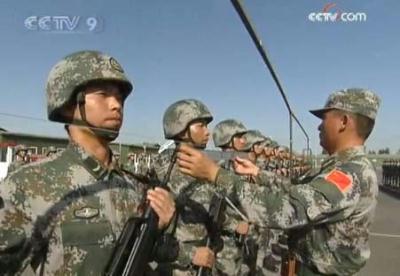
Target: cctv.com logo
(330, 13)
(63, 24)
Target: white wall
(4, 165)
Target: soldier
(230, 136)
(267, 261)
(29, 156)
(328, 217)
(282, 155)
(20, 152)
(51, 223)
(117, 159)
(185, 122)
(271, 153)
(50, 151)
(384, 172)
(130, 165)
(255, 144)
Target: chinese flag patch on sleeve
(341, 180)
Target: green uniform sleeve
(328, 197)
(15, 226)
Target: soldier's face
(268, 151)
(104, 106)
(239, 142)
(199, 133)
(329, 130)
(258, 148)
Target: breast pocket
(87, 246)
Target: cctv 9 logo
(63, 24)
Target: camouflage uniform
(15, 165)
(267, 262)
(79, 221)
(192, 199)
(83, 234)
(18, 162)
(192, 203)
(328, 218)
(223, 135)
(130, 165)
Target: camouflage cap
(354, 100)
(180, 114)
(51, 150)
(253, 137)
(225, 130)
(19, 148)
(74, 72)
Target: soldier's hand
(196, 164)
(204, 256)
(242, 228)
(163, 204)
(245, 167)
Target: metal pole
(259, 45)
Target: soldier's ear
(184, 135)
(344, 121)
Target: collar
(349, 153)
(91, 164)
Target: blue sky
(199, 49)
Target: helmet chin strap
(189, 140)
(107, 134)
(233, 144)
(197, 146)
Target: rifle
(214, 227)
(135, 245)
(248, 245)
(226, 157)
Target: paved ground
(385, 238)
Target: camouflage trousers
(272, 246)
(229, 260)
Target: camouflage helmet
(273, 144)
(283, 149)
(74, 72)
(225, 130)
(180, 114)
(253, 137)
